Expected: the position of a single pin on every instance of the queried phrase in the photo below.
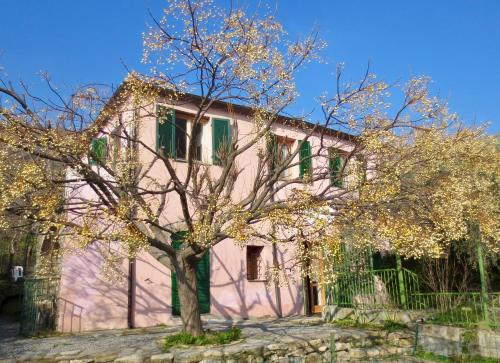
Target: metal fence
(373, 288)
(39, 310)
(459, 308)
(399, 289)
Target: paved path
(106, 346)
(9, 328)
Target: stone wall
(332, 313)
(350, 345)
(453, 341)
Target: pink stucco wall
(89, 300)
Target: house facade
(232, 279)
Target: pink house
(233, 279)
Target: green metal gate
(39, 309)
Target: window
(254, 262)
(198, 137)
(281, 148)
(180, 138)
(98, 150)
(172, 134)
(335, 165)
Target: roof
(117, 99)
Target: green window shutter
(272, 149)
(305, 158)
(335, 168)
(98, 150)
(177, 239)
(202, 277)
(203, 280)
(165, 137)
(221, 138)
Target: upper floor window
(197, 134)
(281, 149)
(336, 163)
(173, 134)
(180, 138)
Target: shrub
(208, 338)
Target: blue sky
(457, 43)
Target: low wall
(448, 341)
(349, 345)
(454, 341)
(332, 313)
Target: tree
(213, 57)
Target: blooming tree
(409, 182)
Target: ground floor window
(254, 261)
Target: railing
(459, 308)
(398, 289)
(387, 288)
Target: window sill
(257, 280)
(194, 161)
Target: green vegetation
(388, 325)
(441, 358)
(464, 315)
(209, 338)
(391, 326)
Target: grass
(392, 326)
(208, 338)
(460, 315)
(388, 325)
(441, 358)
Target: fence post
(401, 282)
(482, 277)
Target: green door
(203, 280)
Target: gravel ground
(123, 342)
(106, 346)
(9, 329)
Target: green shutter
(221, 138)
(272, 149)
(305, 158)
(165, 137)
(202, 276)
(176, 303)
(98, 150)
(335, 167)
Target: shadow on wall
(152, 303)
(91, 301)
(70, 316)
(247, 302)
(87, 299)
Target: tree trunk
(188, 296)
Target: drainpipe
(277, 291)
(131, 293)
